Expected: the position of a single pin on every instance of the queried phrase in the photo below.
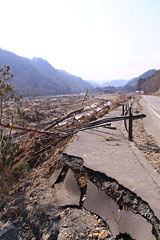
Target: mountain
(151, 84)
(36, 77)
(148, 74)
(115, 83)
(132, 84)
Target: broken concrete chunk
(9, 232)
(135, 225)
(99, 203)
(68, 192)
(54, 177)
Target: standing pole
(85, 97)
(130, 135)
(123, 109)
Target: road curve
(151, 107)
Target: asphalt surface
(151, 107)
(109, 151)
(120, 159)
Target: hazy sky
(93, 39)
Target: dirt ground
(145, 142)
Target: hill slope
(36, 76)
(132, 84)
(150, 85)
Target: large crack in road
(126, 214)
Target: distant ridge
(115, 83)
(37, 77)
(151, 84)
(132, 84)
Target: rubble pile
(34, 207)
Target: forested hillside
(132, 85)
(36, 77)
(150, 85)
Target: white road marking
(156, 109)
(155, 113)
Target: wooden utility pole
(130, 135)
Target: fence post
(123, 109)
(126, 108)
(130, 137)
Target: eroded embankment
(126, 214)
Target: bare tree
(7, 92)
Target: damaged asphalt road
(122, 210)
(100, 188)
(134, 185)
